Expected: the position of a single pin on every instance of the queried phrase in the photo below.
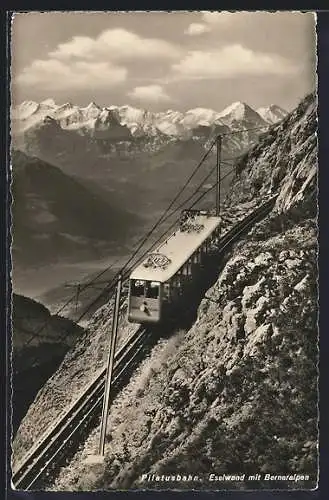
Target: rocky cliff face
(237, 393)
(284, 160)
(141, 122)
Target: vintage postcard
(164, 222)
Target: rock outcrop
(284, 160)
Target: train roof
(170, 255)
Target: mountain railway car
(157, 285)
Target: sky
(160, 60)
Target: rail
(72, 422)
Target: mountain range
(77, 171)
(117, 146)
(126, 122)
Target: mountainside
(281, 160)
(237, 392)
(40, 342)
(55, 216)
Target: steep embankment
(40, 341)
(237, 393)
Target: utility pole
(109, 369)
(219, 150)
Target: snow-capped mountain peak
(238, 111)
(235, 107)
(203, 114)
(272, 113)
(64, 107)
(25, 109)
(140, 122)
(92, 105)
(49, 102)
(241, 115)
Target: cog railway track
(52, 448)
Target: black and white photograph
(164, 250)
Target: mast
(109, 370)
(219, 150)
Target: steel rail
(31, 467)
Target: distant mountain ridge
(131, 151)
(140, 122)
(90, 139)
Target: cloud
(115, 44)
(196, 29)
(55, 75)
(151, 93)
(231, 61)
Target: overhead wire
(145, 237)
(148, 234)
(164, 217)
(140, 244)
(111, 286)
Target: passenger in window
(152, 290)
(138, 288)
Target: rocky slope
(284, 159)
(236, 393)
(56, 217)
(40, 341)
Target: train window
(138, 288)
(196, 257)
(174, 282)
(166, 291)
(152, 290)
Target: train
(158, 285)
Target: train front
(144, 304)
